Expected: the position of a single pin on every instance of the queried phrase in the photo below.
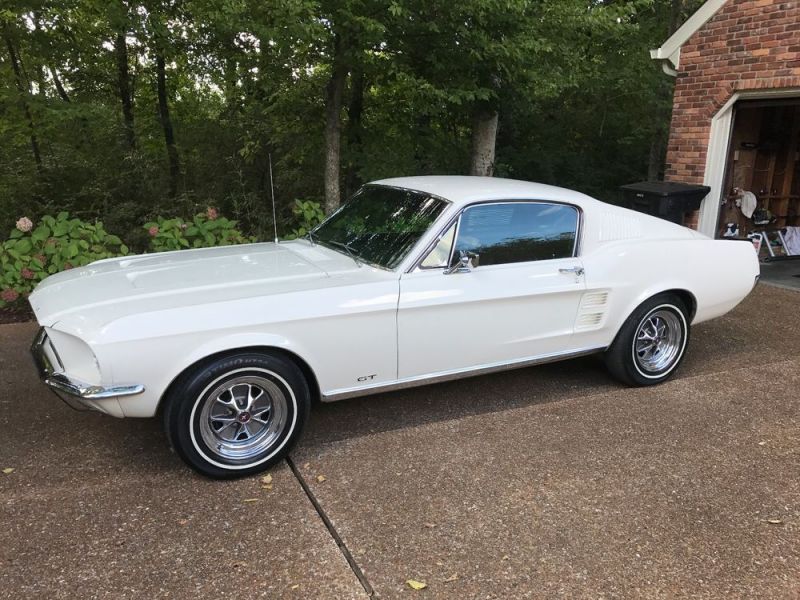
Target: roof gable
(670, 50)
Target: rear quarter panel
(718, 274)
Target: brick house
(736, 108)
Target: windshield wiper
(347, 248)
(310, 237)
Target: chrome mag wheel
(659, 340)
(243, 417)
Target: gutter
(665, 62)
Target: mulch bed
(16, 314)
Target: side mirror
(466, 262)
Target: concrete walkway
(782, 273)
(546, 482)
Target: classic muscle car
(412, 281)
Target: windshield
(380, 225)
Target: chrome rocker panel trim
(58, 381)
(410, 382)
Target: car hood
(116, 287)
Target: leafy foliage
(204, 230)
(55, 244)
(580, 102)
(33, 252)
(308, 214)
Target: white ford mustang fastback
(231, 344)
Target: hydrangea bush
(34, 251)
(203, 231)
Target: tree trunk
(656, 158)
(166, 125)
(21, 88)
(354, 111)
(124, 87)
(39, 68)
(59, 86)
(484, 136)
(425, 163)
(231, 81)
(675, 10)
(333, 128)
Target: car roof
(461, 189)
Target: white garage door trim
(717, 155)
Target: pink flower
(27, 273)
(67, 266)
(40, 257)
(9, 295)
(211, 213)
(184, 226)
(153, 231)
(24, 224)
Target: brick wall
(747, 45)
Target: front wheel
(237, 415)
(651, 343)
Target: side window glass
(514, 232)
(441, 252)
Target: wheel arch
(688, 298)
(684, 294)
(301, 363)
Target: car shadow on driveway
(413, 407)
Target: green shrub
(203, 231)
(57, 243)
(308, 214)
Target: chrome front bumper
(69, 389)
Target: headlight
(77, 357)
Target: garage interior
(764, 160)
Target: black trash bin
(668, 200)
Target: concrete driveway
(546, 482)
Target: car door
(519, 303)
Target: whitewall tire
(651, 343)
(238, 414)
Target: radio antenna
(272, 189)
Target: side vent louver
(592, 310)
(615, 226)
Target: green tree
(130, 109)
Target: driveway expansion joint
(362, 579)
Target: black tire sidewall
(186, 399)
(620, 356)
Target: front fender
(160, 361)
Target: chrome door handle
(577, 271)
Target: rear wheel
(237, 415)
(651, 343)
